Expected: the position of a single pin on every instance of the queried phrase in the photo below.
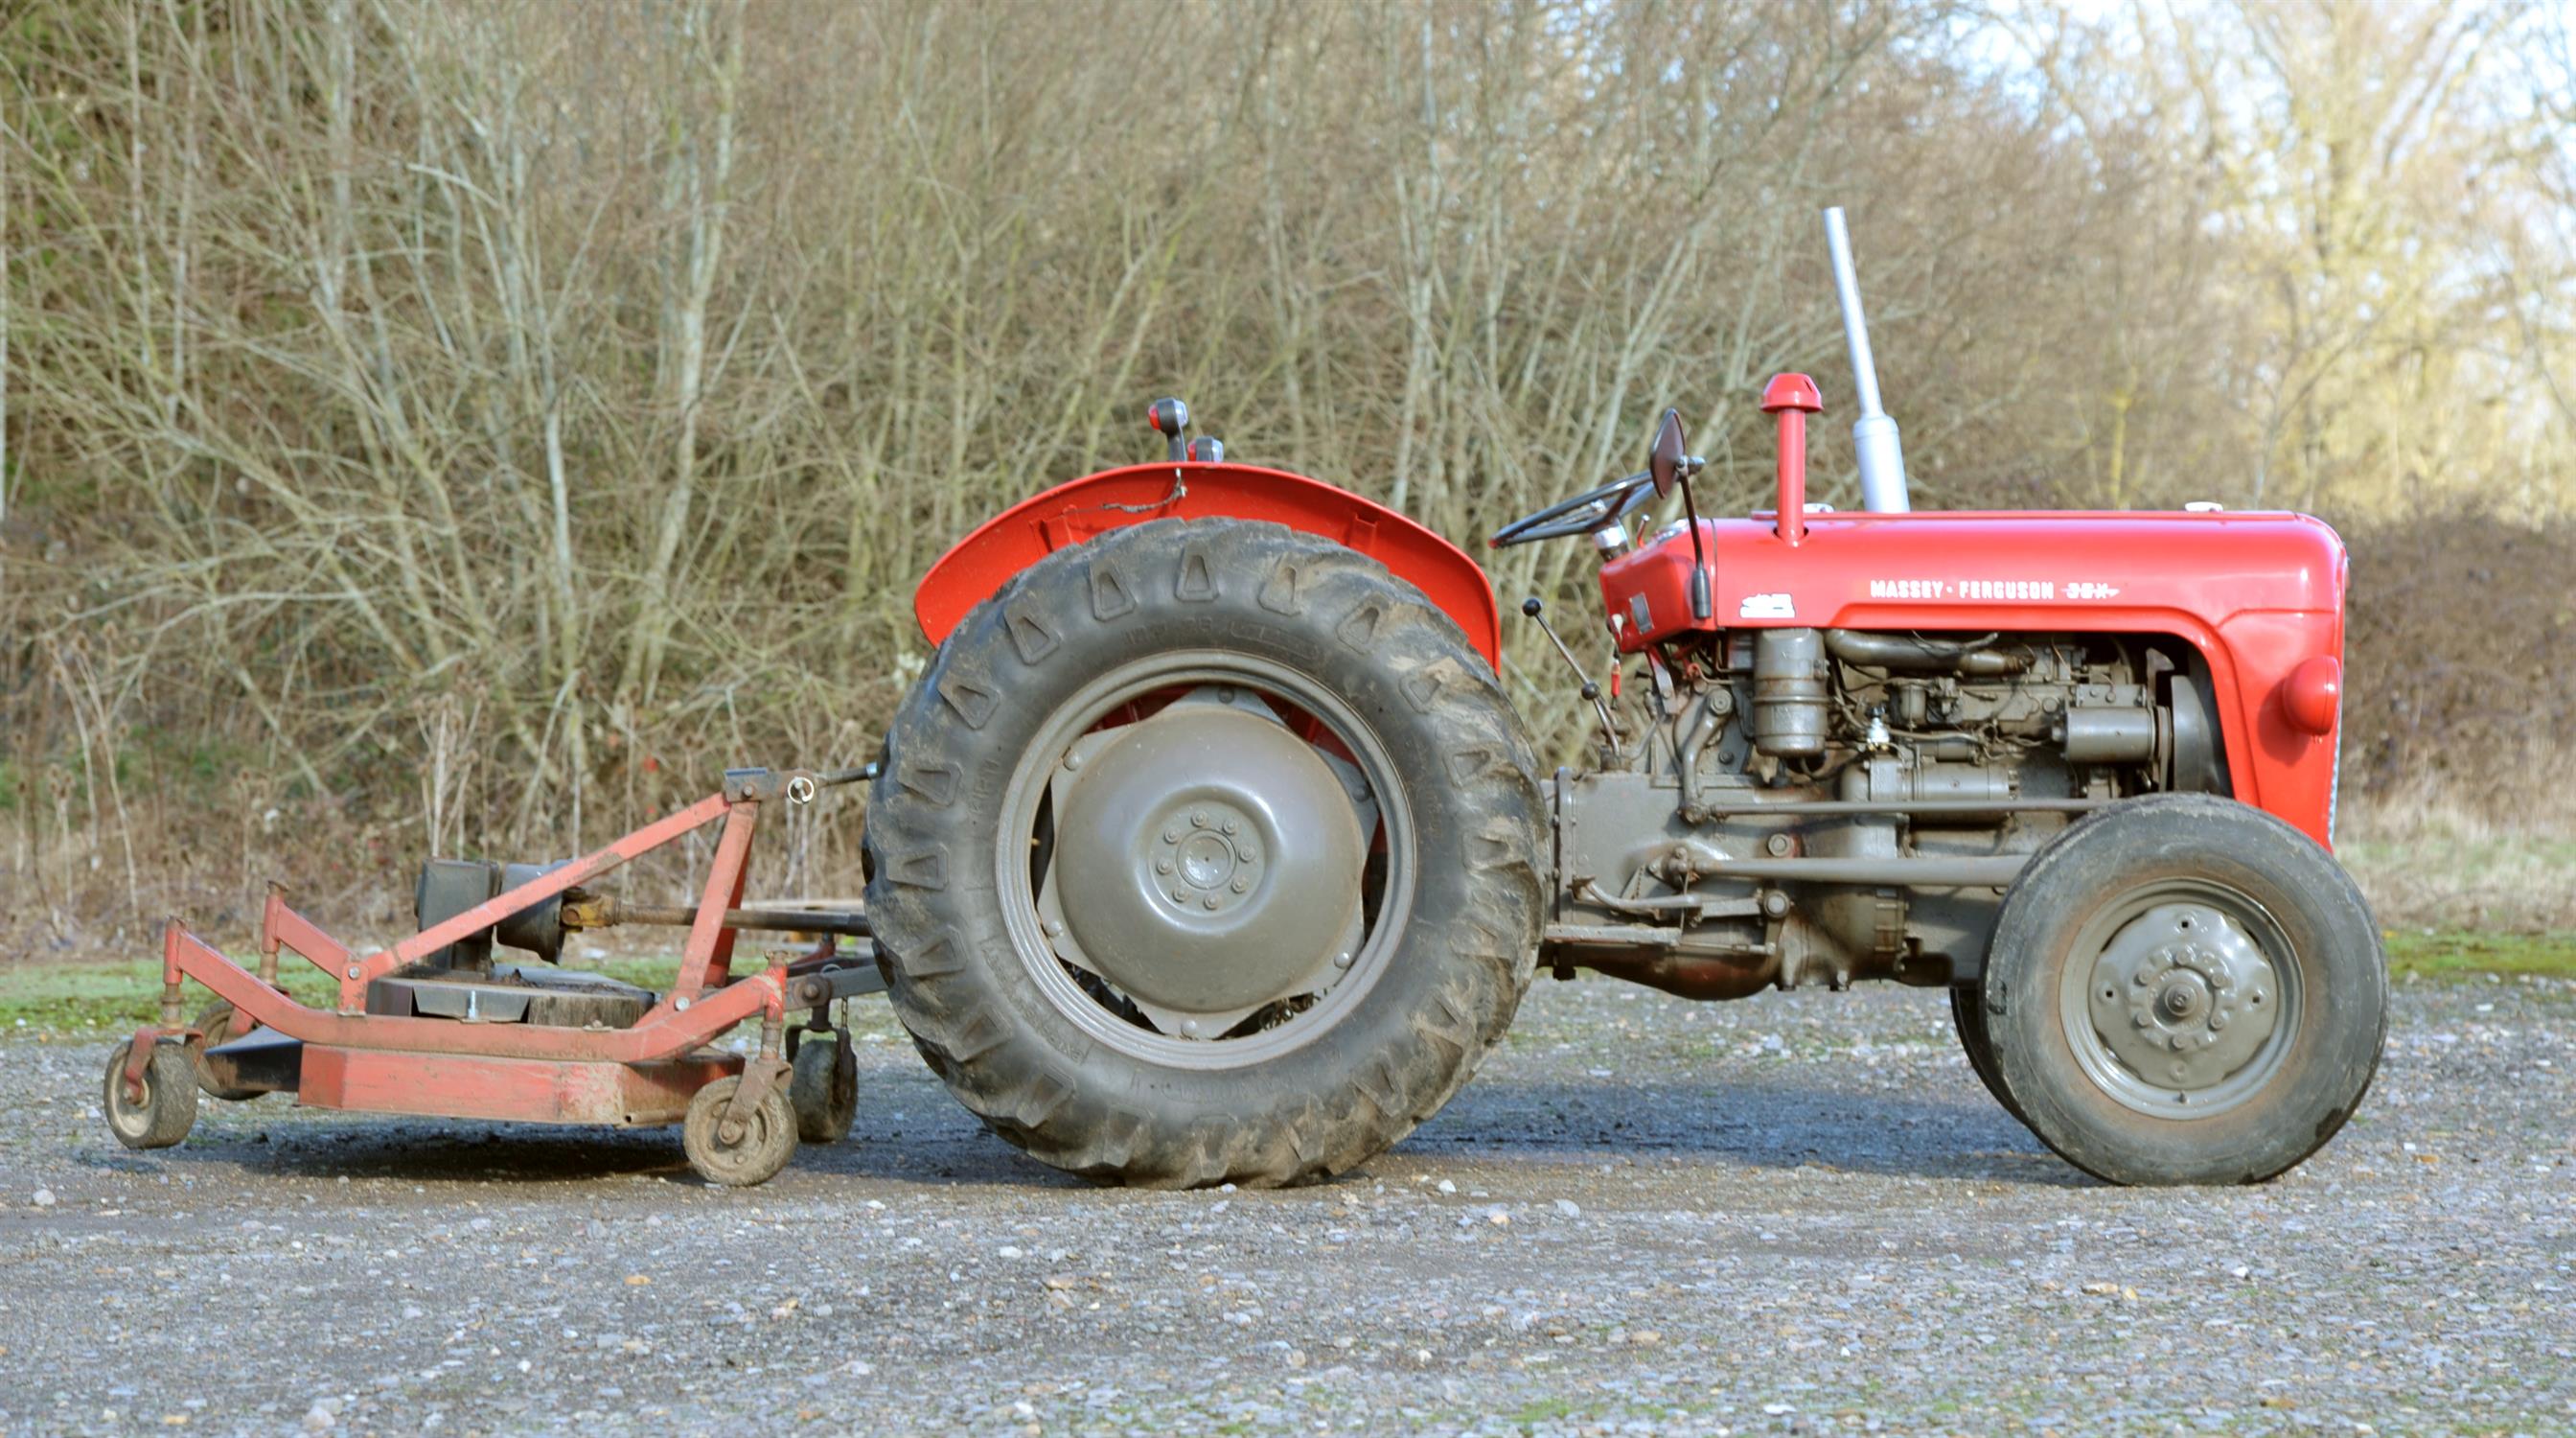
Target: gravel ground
(1793, 1214)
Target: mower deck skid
(528, 1044)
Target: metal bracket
(797, 786)
(759, 1076)
(138, 1056)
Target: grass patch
(2464, 953)
(126, 994)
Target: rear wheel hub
(1206, 862)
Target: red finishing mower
(1209, 849)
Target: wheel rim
(1205, 859)
(756, 1136)
(2183, 999)
(123, 1114)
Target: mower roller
(432, 1026)
(1208, 848)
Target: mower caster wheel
(766, 1142)
(169, 1106)
(217, 1025)
(825, 1088)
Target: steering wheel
(1584, 513)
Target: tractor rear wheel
(2184, 989)
(1205, 852)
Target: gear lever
(1591, 692)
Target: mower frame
(641, 1075)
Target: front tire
(1968, 1017)
(168, 1107)
(2185, 990)
(1292, 749)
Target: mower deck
(412, 1035)
(639, 1095)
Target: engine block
(1808, 806)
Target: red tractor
(1209, 848)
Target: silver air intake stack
(1874, 437)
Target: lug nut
(1055, 928)
(1241, 885)
(1342, 960)
(1162, 866)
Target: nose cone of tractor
(2313, 694)
(1207, 862)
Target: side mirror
(1668, 465)
(1664, 462)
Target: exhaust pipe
(1874, 437)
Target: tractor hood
(2183, 573)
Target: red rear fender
(1080, 509)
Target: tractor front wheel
(1205, 852)
(1968, 1016)
(2184, 989)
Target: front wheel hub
(1207, 862)
(2183, 997)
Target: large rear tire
(2184, 989)
(1205, 852)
